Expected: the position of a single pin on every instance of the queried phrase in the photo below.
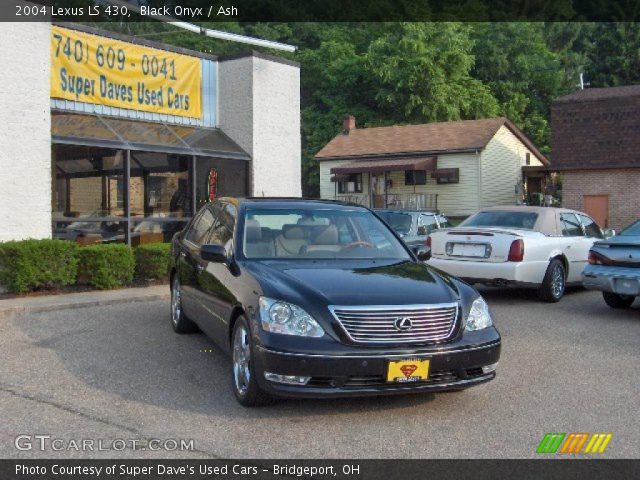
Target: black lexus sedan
(315, 298)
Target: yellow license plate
(408, 371)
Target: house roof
(600, 93)
(428, 138)
(384, 164)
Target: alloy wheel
(176, 305)
(241, 360)
(557, 281)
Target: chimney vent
(348, 124)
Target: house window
(447, 175)
(528, 158)
(415, 177)
(352, 185)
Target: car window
(200, 227)
(400, 222)
(429, 223)
(444, 222)
(591, 228)
(570, 225)
(222, 232)
(632, 230)
(502, 218)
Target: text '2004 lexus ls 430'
(321, 299)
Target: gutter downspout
(479, 157)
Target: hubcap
(241, 360)
(175, 302)
(557, 281)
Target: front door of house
(597, 207)
(377, 189)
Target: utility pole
(582, 83)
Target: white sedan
(537, 247)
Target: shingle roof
(601, 93)
(432, 138)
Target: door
(577, 246)
(377, 188)
(190, 264)
(214, 279)
(597, 207)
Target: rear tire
(615, 300)
(554, 283)
(244, 374)
(179, 321)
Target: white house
(455, 167)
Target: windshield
(400, 222)
(498, 218)
(632, 230)
(318, 234)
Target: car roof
(407, 212)
(291, 202)
(547, 221)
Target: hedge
(105, 265)
(31, 264)
(153, 260)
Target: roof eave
(374, 156)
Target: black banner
(322, 10)
(401, 469)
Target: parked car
(614, 267)
(321, 299)
(414, 226)
(536, 247)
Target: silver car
(614, 267)
(414, 226)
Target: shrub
(153, 260)
(105, 265)
(31, 264)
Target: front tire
(615, 300)
(179, 321)
(554, 283)
(244, 372)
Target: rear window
(400, 222)
(525, 220)
(632, 230)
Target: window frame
(410, 177)
(355, 178)
(581, 217)
(579, 223)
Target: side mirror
(609, 232)
(213, 253)
(422, 253)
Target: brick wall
(622, 186)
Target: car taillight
(596, 259)
(427, 242)
(516, 251)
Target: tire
(554, 283)
(243, 371)
(615, 300)
(179, 321)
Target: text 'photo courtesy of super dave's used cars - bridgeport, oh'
(322, 299)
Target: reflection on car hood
(633, 240)
(354, 282)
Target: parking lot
(120, 372)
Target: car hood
(631, 240)
(354, 283)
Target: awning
(126, 134)
(388, 164)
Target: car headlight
(479, 316)
(286, 318)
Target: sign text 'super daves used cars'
(100, 70)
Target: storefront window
(160, 186)
(216, 177)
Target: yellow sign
(408, 371)
(104, 71)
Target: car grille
(384, 324)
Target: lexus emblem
(403, 324)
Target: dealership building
(107, 137)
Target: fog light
(288, 379)
(489, 368)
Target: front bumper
(493, 273)
(453, 366)
(620, 280)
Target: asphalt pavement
(119, 372)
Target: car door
(575, 245)
(214, 295)
(189, 262)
